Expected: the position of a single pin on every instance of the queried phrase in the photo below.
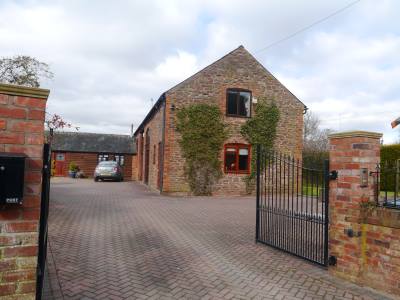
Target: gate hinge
(333, 175)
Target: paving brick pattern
(121, 241)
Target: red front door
(59, 164)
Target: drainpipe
(163, 144)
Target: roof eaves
(150, 114)
(269, 72)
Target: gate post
(22, 115)
(354, 155)
(258, 150)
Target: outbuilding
(86, 150)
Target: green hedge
(389, 155)
(315, 160)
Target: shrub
(389, 155)
(203, 133)
(73, 167)
(260, 130)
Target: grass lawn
(311, 190)
(389, 194)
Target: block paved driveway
(121, 241)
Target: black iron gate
(292, 206)
(44, 213)
(387, 184)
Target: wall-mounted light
(173, 107)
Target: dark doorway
(147, 157)
(140, 156)
(159, 175)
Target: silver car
(108, 170)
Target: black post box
(12, 170)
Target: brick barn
(234, 83)
(87, 149)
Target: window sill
(238, 172)
(238, 116)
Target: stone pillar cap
(355, 133)
(18, 90)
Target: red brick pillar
(350, 153)
(22, 114)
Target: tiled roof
(93, 142)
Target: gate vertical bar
(299, 228)
(258, 150)
(396, 185)
(44, 213)
(326, 212)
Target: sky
(113, 59)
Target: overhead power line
(357, 116)
(308, 27)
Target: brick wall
(366, 244)
(236, 70)
(22, 112)
(87, 162)
(135, 167)
(154, 127)
(140, 151)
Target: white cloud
(177, 67)
(350, 81)
(111, 59)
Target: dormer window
(238, 103)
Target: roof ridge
(209, 65)
(240, 47)
(161, 98)
(90, 133)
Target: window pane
(108, 163)
(119, 159)
(103, 157)
(244, 104)
(232, 103)
(244, 151)
(243, 159)
(230, 160)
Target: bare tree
(56, 122)
(23, 70)
(315, 139)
